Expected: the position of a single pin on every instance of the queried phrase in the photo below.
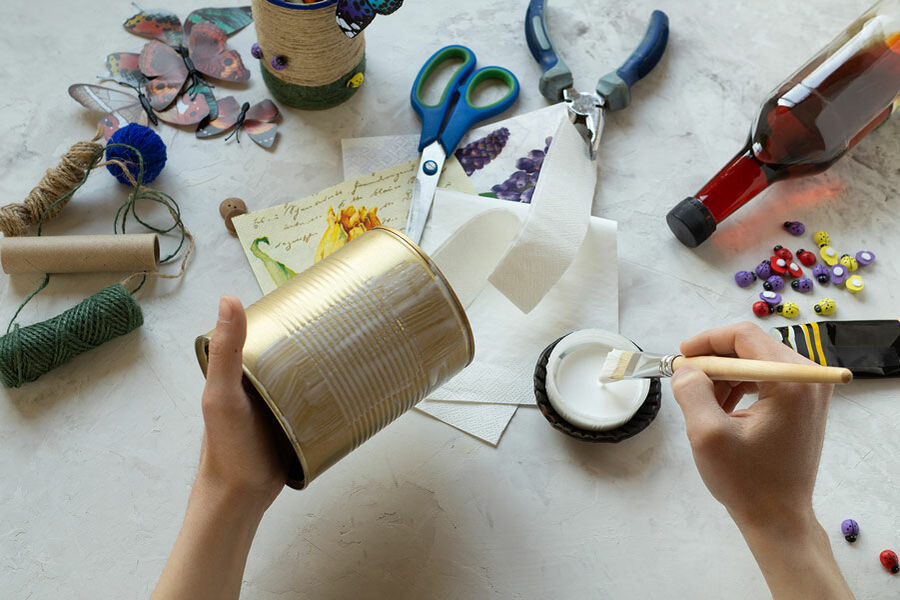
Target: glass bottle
(846, 90)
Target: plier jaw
(586, 110)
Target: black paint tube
(869, 349)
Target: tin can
(350, 344)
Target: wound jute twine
(318, 54)
(26, 353)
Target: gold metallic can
(350, 344)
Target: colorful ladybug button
(821, 239)
(804, 284)
(794, 270)
(848, 261)
(889, 559)
(762, 309)
(788, 309)
(744, 278)
(775, 283)
(764, 270)
(850, 529)
(782, 252)
(822, 273)
(806, 257)
(825, 306)
(794, 227)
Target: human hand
(239, 454)
(761, 463)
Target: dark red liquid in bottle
(803, 128)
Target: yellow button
(854, 284)
(829, 255)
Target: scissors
(445, 123)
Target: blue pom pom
(148, 143)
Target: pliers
(613, 90)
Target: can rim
(201, 345)
(460, 309)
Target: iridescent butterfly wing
(229, 19)
(211, 56)
(227, 118)
(160, 25)
(261, 123)
(120, 108)
(355, 15)
(187, 110)
(166, 69)
(206, 90)
(122, 67)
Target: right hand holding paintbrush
(761, 462)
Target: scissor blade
(423, 192)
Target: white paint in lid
(573, 383)
(769, 294)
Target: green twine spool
(26, 353)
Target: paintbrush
(621, 364)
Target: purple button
(865, 257)
(838, 274)
(770, 298)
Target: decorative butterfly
(355, 15)
(166, 27)
(259, 121)
(122, 67)
(122, 108)
(206, 51)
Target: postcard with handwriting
(283, 240)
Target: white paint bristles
(616, 365)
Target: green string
(129, 207)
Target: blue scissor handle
(557, 75)
(465, 114)
(434, 115)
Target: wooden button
(230, 208)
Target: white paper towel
(557, 222)
(507, 341)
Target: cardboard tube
(80, 253)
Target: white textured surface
(97, 458)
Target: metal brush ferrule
(665, 365)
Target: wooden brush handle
(741, 369)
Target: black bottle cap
(691, 222)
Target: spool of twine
(318, 54)
(26, 353)
(17, 218)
